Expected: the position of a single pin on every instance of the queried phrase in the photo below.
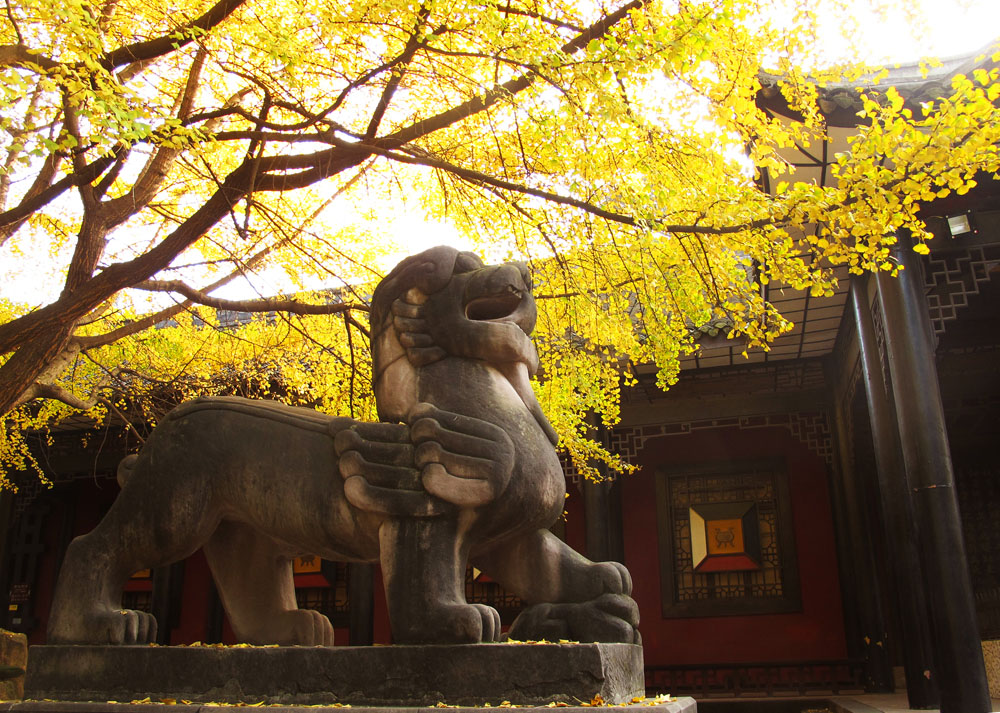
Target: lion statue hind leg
(255, 582)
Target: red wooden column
(927, 459)
(899, 523)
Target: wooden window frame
(790, 601)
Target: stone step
(479, 674)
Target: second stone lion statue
(462, 469)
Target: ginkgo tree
(155, 153)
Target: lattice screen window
(726, 540)
(480, 589)
(139, 601)
(331, 601)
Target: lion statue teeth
(462, 468)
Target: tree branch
(13, 23)
(39, 390)
(507, 9)
(260, 305)
(71, 125)
(155, 318)
(508, 88)
(479, 178)
(34, 201)
(43, 180)
(151, 49)
(412, 45)
(155, 171)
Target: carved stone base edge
(377, 676)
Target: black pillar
(595, 523)
(926, 457)
(361, 603)
(216, 616)
(900, 530)
(848, 576)
(871, 618)
(168, 592)
(602, 511)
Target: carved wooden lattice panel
(811, 429)
(952, 277)
(770, 587)
(480, 589)
(139, 601)
(978, 490)
(332, 601)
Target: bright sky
(949, 28)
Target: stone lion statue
(461, 469)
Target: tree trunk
(29, 362)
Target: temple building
(818, 518)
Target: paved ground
(872, 703)
(863, 703)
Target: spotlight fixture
(960, 224)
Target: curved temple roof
(817, 320)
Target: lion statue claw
(462, 468)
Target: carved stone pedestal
(378, 676)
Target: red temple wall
(817, 632)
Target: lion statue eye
(467, 262)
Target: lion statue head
(445, 303)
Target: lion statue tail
(125, 469)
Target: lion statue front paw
(610, 618)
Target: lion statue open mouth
(461, 469)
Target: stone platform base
(678, 705)
(377, 676)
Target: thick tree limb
(29, 362)
(412, 45)
(151, 320)
(93, 229)
(74, 304)
(313, 167)
(92, 342)
(136, 54)
(43, 179)
(21, 55)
